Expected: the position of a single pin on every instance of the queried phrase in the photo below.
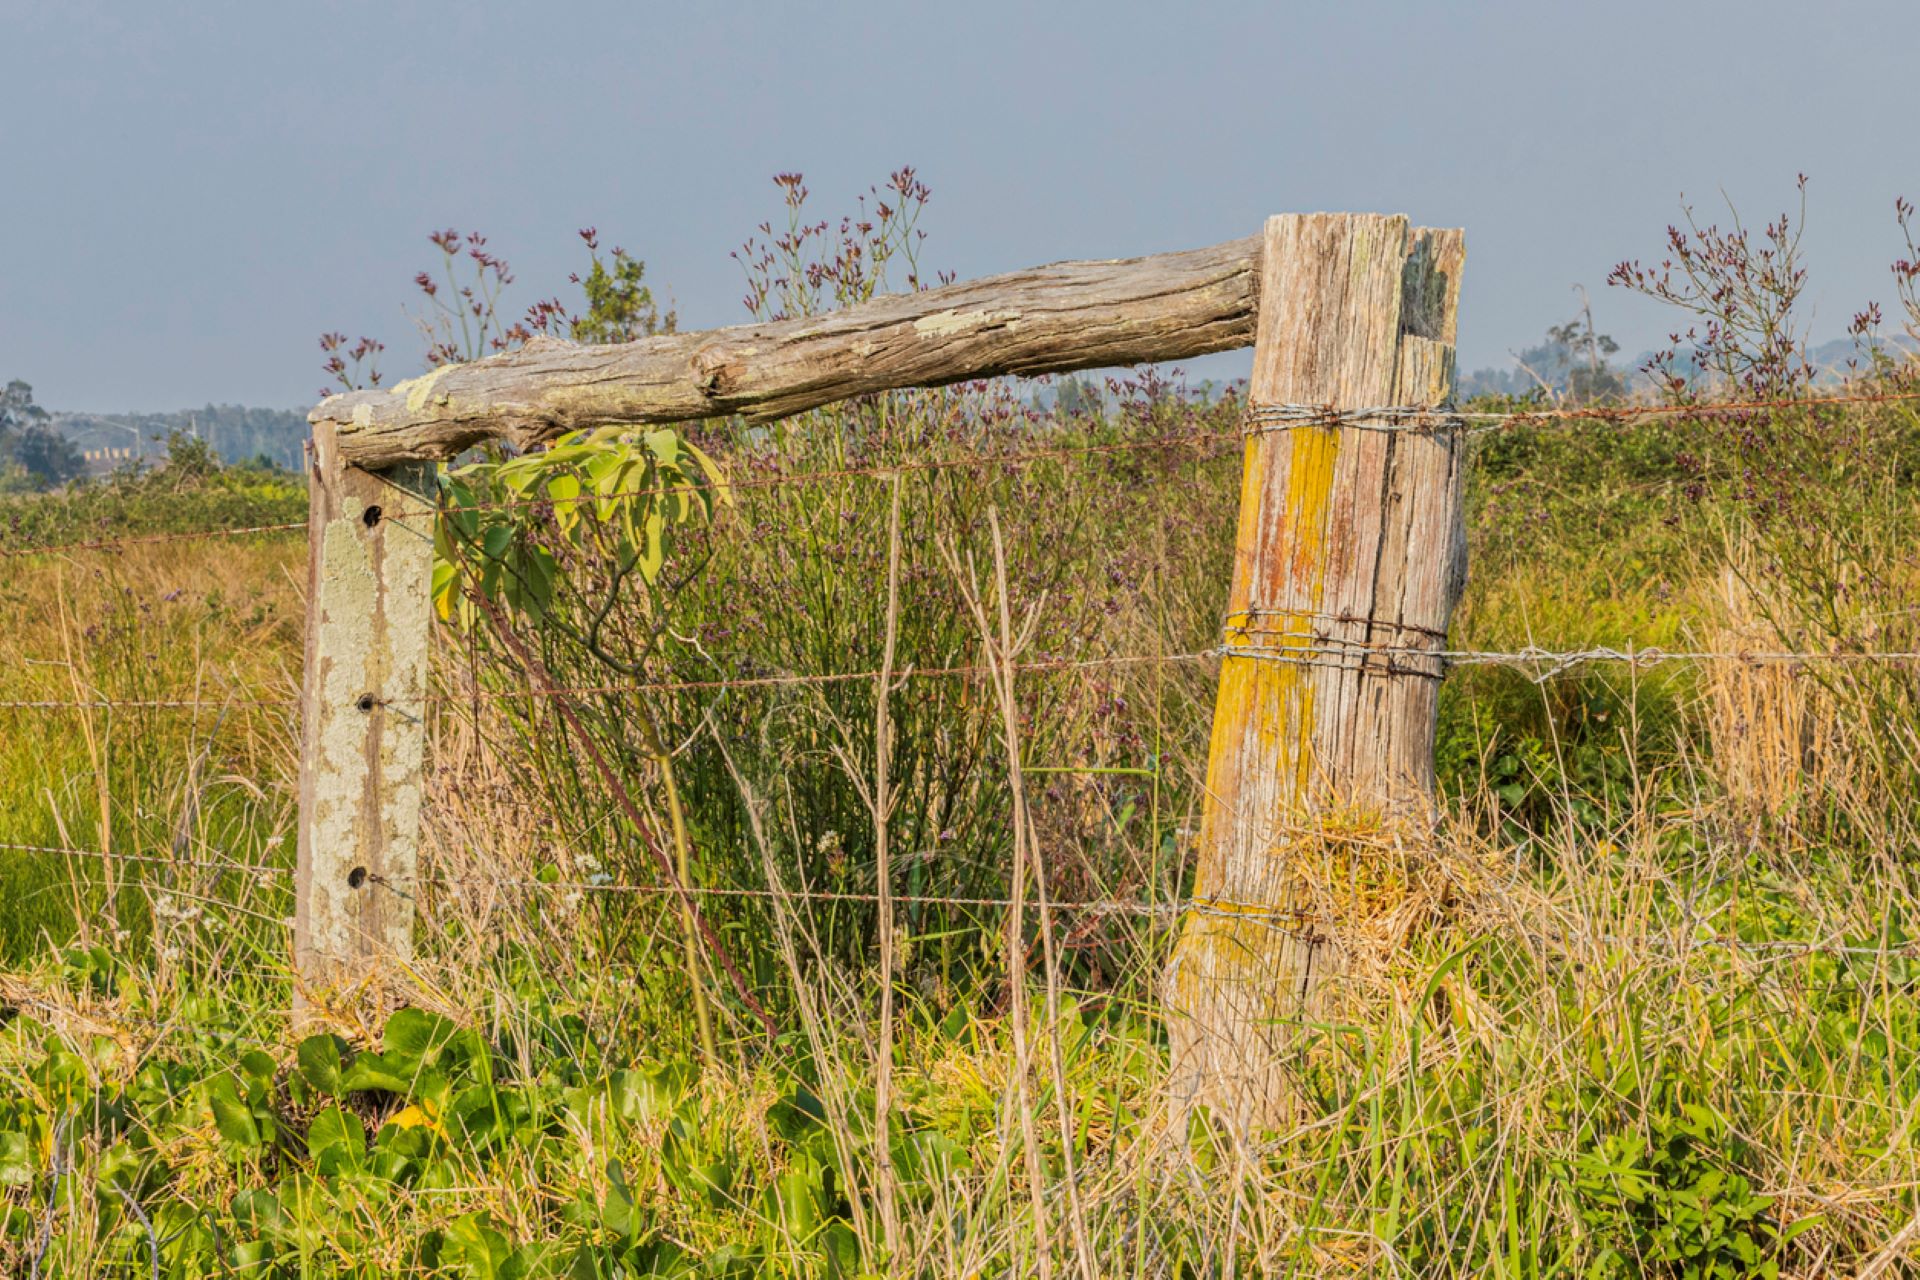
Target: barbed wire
(1095, 906)
(145, 539)
(905, 672)
(1701, 408)
(165, 860)
(1280, 416)
(1327, 652)
(1294, 921)
(1254, 420)
(146, 704)
(1261, 419)
(1557, 661)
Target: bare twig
(833, 1080)
(153, 1238)
(1020, 1099)
(56, 1169)
(648, 837)
(1023, 828)
(882, 802)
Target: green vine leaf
(506, 527)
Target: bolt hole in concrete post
(369, 619)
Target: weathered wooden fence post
(1349, 560)
(363, 717)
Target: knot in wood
(716, 369)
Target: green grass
(1633, 1013)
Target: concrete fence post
(363, 718)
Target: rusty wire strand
(1293, 415)
(1321, 651)
(1286, 415)
(1260, 419)
(146, 704)
(1278, 918)
(142, 539)
(164, 860)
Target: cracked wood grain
(1051, 319)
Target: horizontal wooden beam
(1053, 319)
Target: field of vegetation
(1645, 1004)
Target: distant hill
(236, 433)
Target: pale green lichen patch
(951, 324)
(596, 404)
(419, 391)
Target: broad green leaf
(539, 570)
(337, 1141)
(258, 1065)
(231, 1116)
(797, 1203)
(643, 1095)
(371, 1071)
(16, 1160)
(618, 1212)
(318, 1059)
(603, 471)
(413, 1035)
(926, 1159)
(498, 538)
(520, 474)
(473, 1241)
(653, 553)
(478, 1115)
(664, 445)
(446, 588)
(563, 489)
(712, 472)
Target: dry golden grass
(1508, 996)
(1776, 734)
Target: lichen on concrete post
(363, 720)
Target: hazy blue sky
(192, 192)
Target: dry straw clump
(1778, 736)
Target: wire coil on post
(1426, 420)
(1308, 639)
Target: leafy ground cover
(1645, 1007)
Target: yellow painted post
(363, 720)
(1349, 559)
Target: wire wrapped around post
(1349, 559)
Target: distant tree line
(33, 454)
(1572, 364)
(236, 434)
(42, 449)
